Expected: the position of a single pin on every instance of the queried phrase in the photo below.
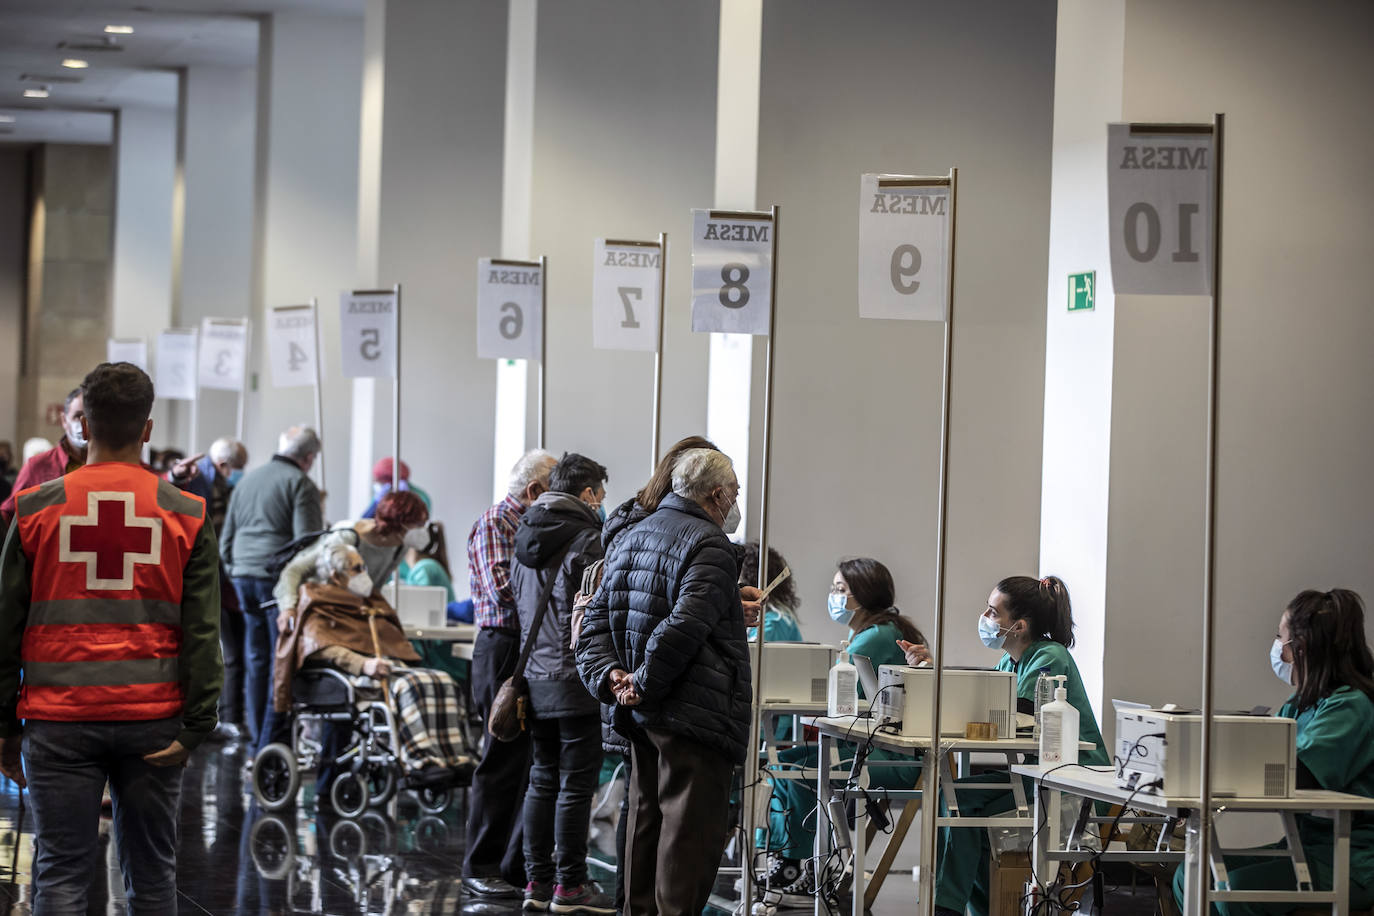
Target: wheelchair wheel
(432, 800)
(347, 841)
(273, 847)
(381, 838)
(381, 783)
(431, 835)
(349, 794)
(276, 777)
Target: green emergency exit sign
(1082, 291)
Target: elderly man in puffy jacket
(664, 639)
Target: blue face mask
(1282, 670)
(990, 633)
(836, 606)
(601, 513)
(234, 477)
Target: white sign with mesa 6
(510, 306)
(367, 326)
(732, 271)
(176, 364)
(625, 282)
(223, 353)
(1159, 204)
(291, 345)
(904, 247)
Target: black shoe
(494, 888)
(946, 911)
(227, 732)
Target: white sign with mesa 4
(291, 345)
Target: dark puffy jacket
(554, 521)
(668, 611)
(626, 516)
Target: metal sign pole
(751, 761)
(543, 346)
(657, 430)
(396, 401)
(319, 397)
(929, 809)
(1209, 583)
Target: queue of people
(629, 630)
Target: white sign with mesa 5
(367, 327)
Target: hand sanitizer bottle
(1059, 728)
(1044, 694)
(843, 688)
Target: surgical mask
(837, 606)
(1282, 670)
(360, 585)
(732, 519)
(74, 435)
(234, 477)
(990, 633)
(417, 539)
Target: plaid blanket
(429, 717)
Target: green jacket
(1054, 657)
(268, 509)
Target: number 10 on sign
(904, 230)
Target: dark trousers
(622, 824)
(495, 835)
(259, 650)
(67, 765)
(679, 813)
(231, 646)
(566, 761)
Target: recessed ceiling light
(73, 63)
(119, 29)
(35, 93)
(6, 119)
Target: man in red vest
(109, 605)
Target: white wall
(309, 79)
(846, 90)
(624, 143)
(1295, 495)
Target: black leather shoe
(493, 888)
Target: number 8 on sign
(732, 271)
(510, 302)
(903, 247)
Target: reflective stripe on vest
(107, 546)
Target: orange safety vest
(106, 547)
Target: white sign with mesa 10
(510, 305)
(732, 271)
(1159, 203)
(904, 247)
(176, 364)
(291, 345)
(223, 353)
(127, 350)
(626, 277)
(367, 329)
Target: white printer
(1252, 756)
(418, 605)
(966, 695)
(795, 672)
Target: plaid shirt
(490, 546)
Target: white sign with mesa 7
(367, 330)
(904, 234)
(626, 277)
(291, 345)
(510, 308)
(223, 353)
(732, 271)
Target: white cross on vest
(110, 538)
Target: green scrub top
(426, 572)
(1336, 743)
(778, 626)
(878, 644)
(1049, 654)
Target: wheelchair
(371, 770)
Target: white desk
(861, 730)
(1100, 784)
(461, 635)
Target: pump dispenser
(1059, 728)
(842, 688)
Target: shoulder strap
(545, 593)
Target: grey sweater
(271, 506)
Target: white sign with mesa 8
(732, 272)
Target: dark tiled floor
(235, 859)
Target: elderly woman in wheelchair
(362, 717)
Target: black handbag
(510, 710)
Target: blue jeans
(67, 765)
(259, 650)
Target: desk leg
(860, 842)
(1040, 848)
(823, 750)
(1340, 878)
(1193, 858)
(1018, 788)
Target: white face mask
(732, 519)
(1282, 670)
(74, 434)
(361, 584)
(417, 539)
(990, 633)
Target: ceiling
(137, 70)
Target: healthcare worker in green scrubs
(862, 595)
(1032, 622)
(1321, 651)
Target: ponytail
(1043, 604)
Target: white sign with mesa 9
(904, 247)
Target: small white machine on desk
(795, 673)
(1252, 756)
(418, 605)
(967, 695)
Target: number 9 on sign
(906, 263)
